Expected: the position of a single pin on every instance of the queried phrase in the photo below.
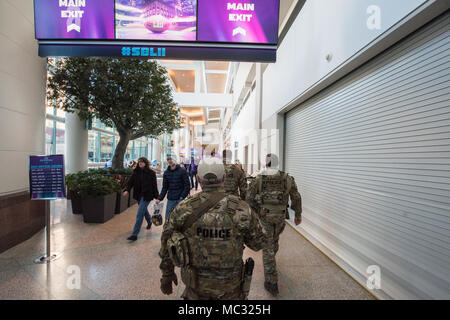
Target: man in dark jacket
(175, 185)
(144, 183)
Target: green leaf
(132, 95)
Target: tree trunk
(117, 160)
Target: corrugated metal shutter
(371, 156)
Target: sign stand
(49, 257)
(46, 175)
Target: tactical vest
(212, 245)
(231, 183)
(214, 239)
(273, 191)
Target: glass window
(92, 146)
(96, 123)
(136, 149)
(106, 148)
(60, 139)
(50, 110)
(60, 113)
(128, 153)
(49, 142)
(139, 149)
(134, 153)
(146, 149)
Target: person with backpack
(235, 180)
(268, 194)
(205, 236)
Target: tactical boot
(272, 287)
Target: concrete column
(155, 145)
(151, 153)
(176, 145)
(187, 145)
(258, 116)
(22, 123)
(76, 139)
(22, 97)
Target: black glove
(166, 283)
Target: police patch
(271, 183)
(214, 233)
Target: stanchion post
(47, 226)
(48, 257)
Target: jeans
(141, 213)
(171, 204)
(193, 175)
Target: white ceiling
(208, 76)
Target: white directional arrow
(239, 30)
(73, 26)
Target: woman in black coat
(144, 182)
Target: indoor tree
(132, 95)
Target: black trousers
(193, 176)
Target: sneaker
(272, 287)
(149, 226)
(132, 238)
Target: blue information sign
(47, 177)
(158, 52)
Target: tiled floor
(113, 268)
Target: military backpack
(231, 175)
(273, 195)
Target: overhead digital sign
(159, 52)
(156, 20)
(69, 27)
(74, 19)
(243, 21)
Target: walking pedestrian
(193, 174)
(144, 182)
(175, 185)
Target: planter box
(68, 195)
(132, 201)
(121, 202)
(75, 199)
(99, 209)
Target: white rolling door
(371, 157)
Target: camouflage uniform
(268, 194)
(235, 181)
(215, 244)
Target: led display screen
(156, 20)
(47, 177)
(243, 21)
(74, 19)
(159, 52)
(215, 21)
